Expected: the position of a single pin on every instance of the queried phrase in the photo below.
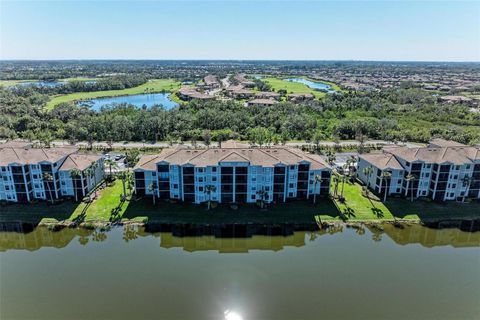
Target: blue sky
(311, 30)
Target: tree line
(393, 115)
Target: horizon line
(226, 60)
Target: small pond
(313, 84)
(138, 100)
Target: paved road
(214, 144)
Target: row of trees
(395, 115)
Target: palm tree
(410, 178)
(336, 181)
(368, 171)
(316, 180)
(124, 177)
(75, 174)
(466, 181)
(208, 191)
(92, 173)
(263, 194)
(47, 177)
(385, 176)
(111, 164)
(152, 187)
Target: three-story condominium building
(444, 170)
(46, 173)
(232, 174)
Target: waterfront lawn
(356, 206)
(297, 212)
(107, 206)
(291, 87)
(33, 213)
(158, 85)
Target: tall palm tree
(111, 164)
(368, 171)
(410, 178)
(208, 191)
(92, 172)
(152, 187)
(124, 177)
(317, 180)
(75, 174)
(263, 194)
(47, 177)
(385, 177)
(466, 181)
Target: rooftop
(267, 157)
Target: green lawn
(101, 209)
(357, 207)
(107, 208)
(157, 85)
(291, 87)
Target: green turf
(152, 86)
(107, 207)
(291, 87)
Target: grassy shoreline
(153, 86)
(107, 209)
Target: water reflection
(239, 239)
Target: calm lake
(138, 100)
(343, 273)
(313, 84)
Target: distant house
(267, 95)
(261, 102)
(211, 82)
(299, 97)
(23, 172)
(238, 92)
(188, 93)
(457, 99)
(444, 170)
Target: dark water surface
(127, 273)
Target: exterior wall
(371, 181)
(24, 183)
(233, 182)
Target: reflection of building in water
(428, 237)
(38, 238)
(232, 245)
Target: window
(467, 167)
(267, 188)
(175, 186)
(200, 189)
(290, 185)
(154, 174)
(290, 194)
(200, 170)
(292, 167)
(253, 197)
(214, 179)
(214, 169)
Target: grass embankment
(358, 207)
(157, 85)
(108, 208)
